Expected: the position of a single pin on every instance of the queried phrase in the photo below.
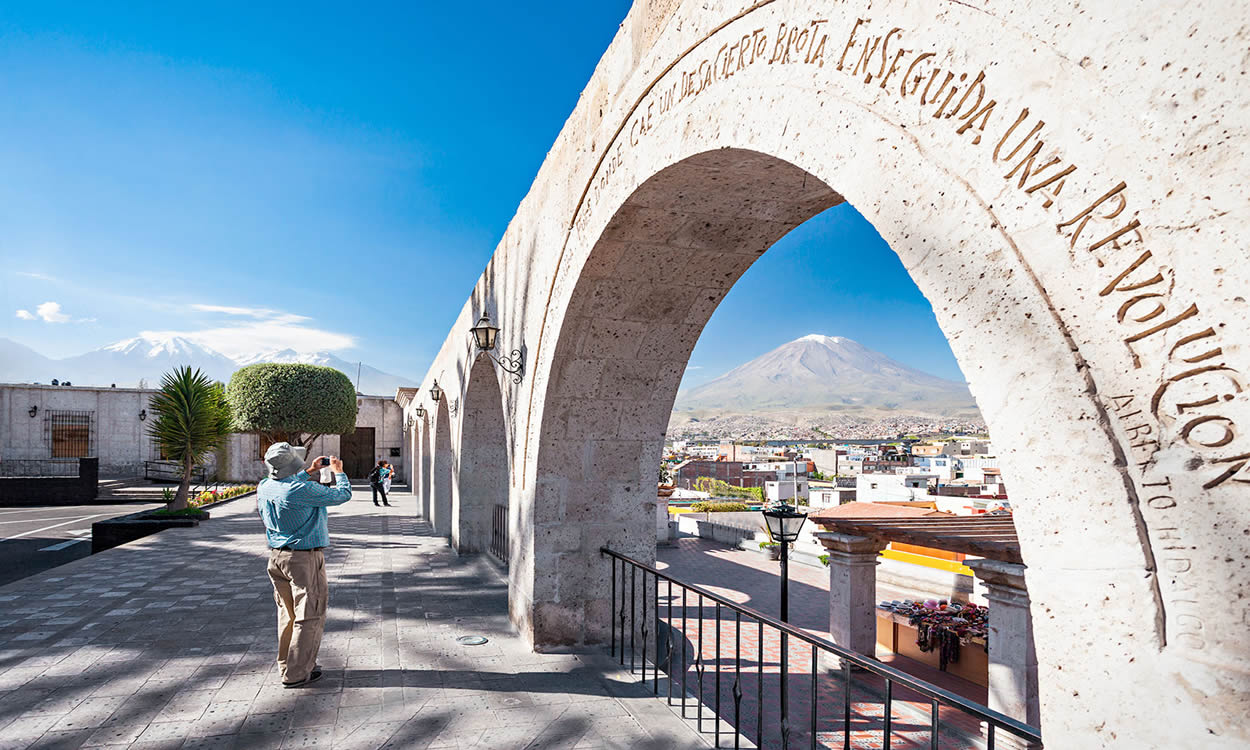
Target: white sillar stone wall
(120, 437)
(1066, 185)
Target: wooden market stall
(991, 537)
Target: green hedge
(286, 400)
(706, 507)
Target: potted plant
(666, 486)
(771, 549)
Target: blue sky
(297, 175)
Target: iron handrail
(869, 664)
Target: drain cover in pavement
(471, 640)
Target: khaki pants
(301, 592)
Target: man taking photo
(293, 506)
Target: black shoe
(388, 505)
(377, 504)
(316, 675)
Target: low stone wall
(20, 492)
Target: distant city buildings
(956, 474)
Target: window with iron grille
(70, 434)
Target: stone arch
(442, 472)
(1093, 293)
(483, 466)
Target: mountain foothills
(145, 358)
(818, 386)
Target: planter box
(114, 532)
(118, 531)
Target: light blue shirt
(294, 509)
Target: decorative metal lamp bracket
(453, 407)
(514, 365)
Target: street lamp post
(784, 523)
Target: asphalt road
(33, 540)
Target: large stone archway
(1066, 188)
(483, 466)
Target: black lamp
(484, 333)
(436, 393)
(33, 411)
(420, 412)
(784, 523)
(485, 336)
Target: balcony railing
(649, 631)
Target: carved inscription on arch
(1189, 406)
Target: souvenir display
(944, 626)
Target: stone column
(663, 534)
(1013, 659)
(852, 590)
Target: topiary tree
(296, 403)
(191, 419)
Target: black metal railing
(39, 467)
(171, 471)
(499, 533)
(660, 625)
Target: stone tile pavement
(168, 642)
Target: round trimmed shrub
(291, 401)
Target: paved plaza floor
(169, 642)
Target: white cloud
(51, 313)
(264, 336)
(260, 313)
(694, 367)
(34, 275)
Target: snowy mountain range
(830, 374)
(146, 358)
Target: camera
(325, 462)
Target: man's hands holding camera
(333, 462)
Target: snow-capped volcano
(827, 373)
(144, 358)
(154, 346)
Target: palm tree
(191, 420)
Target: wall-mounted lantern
(33, 411)
(420, 412)
(143, 414)
(436, 393)
(485, 335)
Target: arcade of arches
(1067, 189)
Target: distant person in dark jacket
(377, 477)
